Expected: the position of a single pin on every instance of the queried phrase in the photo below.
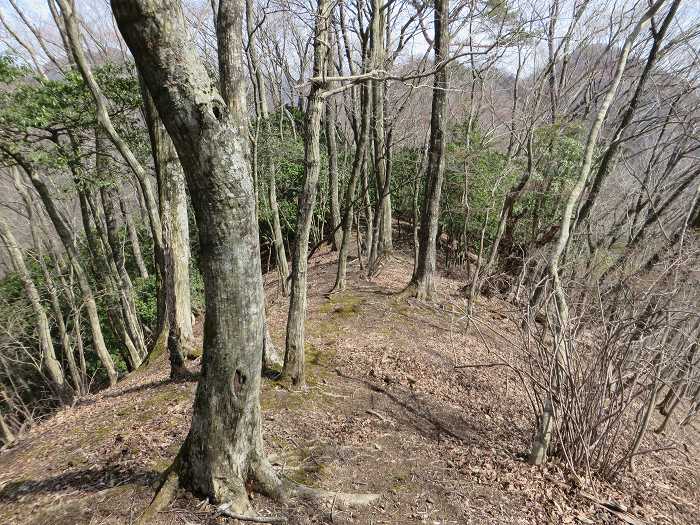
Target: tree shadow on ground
(406, 408)
(86, 480)
(189, 377)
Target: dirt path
(386, 412)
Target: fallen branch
(615, 509)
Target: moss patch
(343, 305)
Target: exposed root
(414, 289)
(224, 511)
(272, 357)
(237, 505)
(338, 499)
(270, 483)
(169, 486)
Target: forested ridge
(349, 262)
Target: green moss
(343, 305)
(194, 352)
(156, 352)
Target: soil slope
(386, 412)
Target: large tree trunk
(421, 284)
(223, 449)
(177, 327)
(294, 350)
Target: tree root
(169, 486)
(338, 499)
(224, 511)
(267, 482)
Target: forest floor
(386, 412)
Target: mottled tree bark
(223, 449)
(294, 349)
(177, 326)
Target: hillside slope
(386, 412)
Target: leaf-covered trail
(386, 411)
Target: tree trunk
(68, 241)
(6, 433)
(350, 190)
(49, 284)
(49, 362)
(176, 241)
(134, 239)
(109, 195)
(421, 284)
(383, 242)
(223, 449)
(278, 239)
(256, 73)
(72, 33)
(332, 147)
(294, 350)
(561, 328)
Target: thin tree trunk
(541, 442)
(109, 195)
(383, 242)
(360, 153)
(294, 350)
(6, 433)
(257, 76)
(68, 241)
(49, 285)
(134, 239)
(278, 238)
(421, 285)
(72, 33)
(176, 242)
(49, 362)
(332, 146)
